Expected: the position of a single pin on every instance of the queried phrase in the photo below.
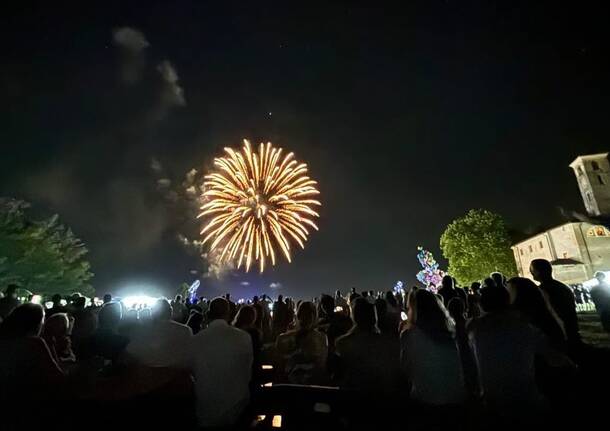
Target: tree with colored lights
(430, 276)
(476, 245)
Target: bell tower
(593, 176)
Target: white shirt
(161, 344)
(221, 360)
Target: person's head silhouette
(110, 316)
(107, 298)
(23, 321)
(161, 310)
(219, 310)
(364, 314)
(447, 282)
(541, 270)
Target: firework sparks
(258, 203)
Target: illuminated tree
(476, 245)
(43, 256)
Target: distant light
(48, 304)
(338, 309)
(267, 385)
(270, 113)
(267, 367)
(260, 418)
(130, 301)
(403, 316)
(36, 299)
(276, 422)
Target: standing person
(429, 353)
(106, 342)
(245, 320)
(279, 323)
(561, 299)
(56, 333)
(9, 302)
(302, 352)
(448, 290)
(532, 304)
(179, 310)
(600, 295)
(221, 361)
(162, 343)
(367, 360)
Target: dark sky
(408, 116)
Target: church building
(576, 249)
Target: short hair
(448, 281)
(161, 310)
(107, 298)
(219, 309)
(494, 298)
(456, 308)
(499, 278)
(543, 266)
(24, 320)
(364, 314)
(110, 315)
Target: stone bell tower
(593, 176)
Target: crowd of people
(499, 352)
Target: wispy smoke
(275, 286)
(132, 44)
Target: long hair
(245, 318)
(429, 314)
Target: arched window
(595, 166)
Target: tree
(43, 256)
(476, 245)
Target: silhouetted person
(56, 335)
(106, 341)
(28, 372)
(374, 374)
(245, 320)
(162, 343)
(280, 321)
(179, 310)
(498, 278)
(301, 353)
(448, 290)
(57, 307)
(600, 295)
(530, 302)
(9, 302)
(560, 297)
(429, 353)
(107, 298)
(222, 365)
(195, 321)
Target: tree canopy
(42, 256)
(476, 245)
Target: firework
(258, 203)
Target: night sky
(407, 117)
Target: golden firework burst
(257, 201)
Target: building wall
(581, 242)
